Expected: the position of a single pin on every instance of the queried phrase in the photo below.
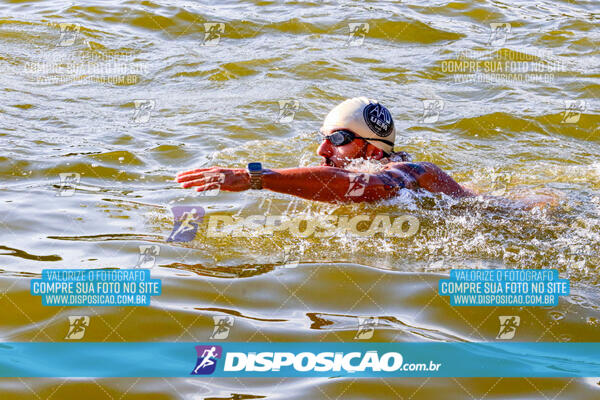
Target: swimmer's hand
(228, 179)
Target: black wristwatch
(255, 170)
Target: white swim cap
(367, 119)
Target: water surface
(135, 94)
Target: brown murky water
(127, 94)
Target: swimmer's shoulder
(430, 177)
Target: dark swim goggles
(343, 136)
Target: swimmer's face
(340, 156)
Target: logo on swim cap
(379, 119)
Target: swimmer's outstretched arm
(329, 184)
(336, 185)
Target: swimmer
(358, 128)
